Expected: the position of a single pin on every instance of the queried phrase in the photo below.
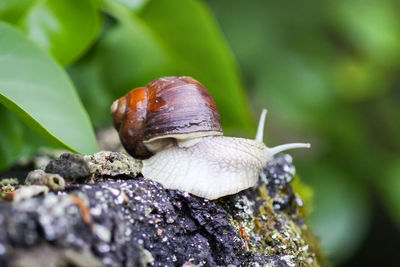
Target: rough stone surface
(136, 222)
(279, 171)
(70, 166)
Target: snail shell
(168, 110)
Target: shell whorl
(129, 117)
(180, 105)
(215, 167)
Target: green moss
(272, 232)
(306, 193)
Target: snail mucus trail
(173, 125)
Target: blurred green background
(327, 71)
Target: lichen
(9, 181)
(7, 186)
(107, 163)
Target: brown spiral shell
(166, 110)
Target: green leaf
(12, 10)
(130, 55)
(39, 92)
(133, 5)
(97, 99)
(11, 138)
(17, 140)
(65, 28)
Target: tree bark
(115, 217)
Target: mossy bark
(115, 217)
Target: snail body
(211, 168)
(174, 126)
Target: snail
(173, 125)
